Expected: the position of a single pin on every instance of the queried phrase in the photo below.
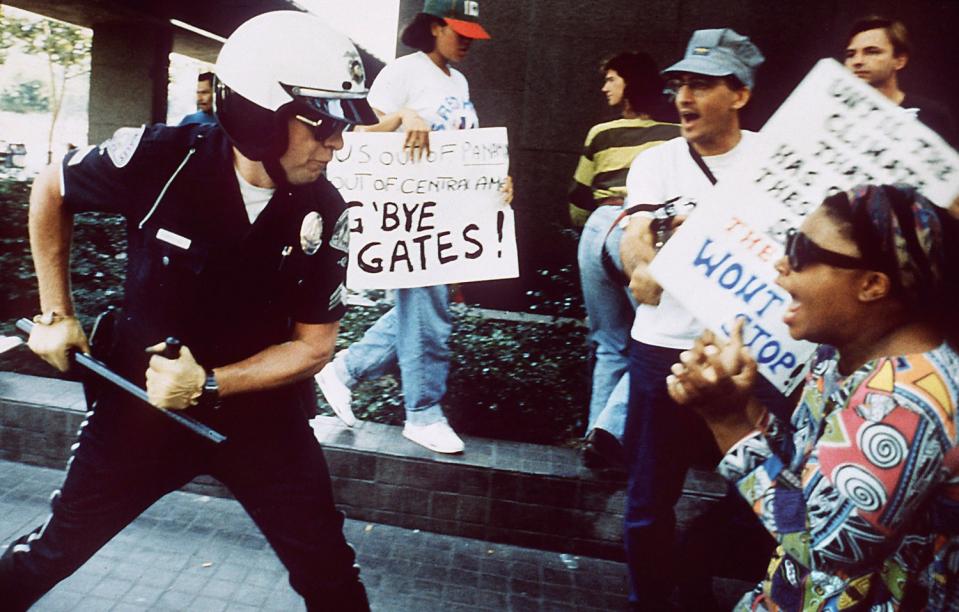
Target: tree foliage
(25, 97)
(65, 46)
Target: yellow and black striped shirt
(609, 150)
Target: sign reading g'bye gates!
(440, 219)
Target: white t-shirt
(659, 175)
(254, 198)
(415, 82)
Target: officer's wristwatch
(210, 396)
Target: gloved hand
(174, 383)
(53, 341)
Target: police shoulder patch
(123, 144)
(340, 239)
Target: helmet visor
(355, 111)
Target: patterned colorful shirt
(862, 491)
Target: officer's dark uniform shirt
(197, 269)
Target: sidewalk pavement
(203, 554)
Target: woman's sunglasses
(801, 252)
(324, 128)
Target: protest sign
(719, 265)
(835, 132)
(432, 221)
(832, 133)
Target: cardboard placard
(832, 133)
(433, 221)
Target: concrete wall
(128, 75)
(539, 77)
(499, 491)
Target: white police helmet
(285, 63)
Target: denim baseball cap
(461, 15)
(720, 52)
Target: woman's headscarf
(905, 236)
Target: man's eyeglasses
(698, 85)
(801, 252)
(324, 128)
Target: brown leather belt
(610, 201)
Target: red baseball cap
(461, 15)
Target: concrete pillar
(129, 73)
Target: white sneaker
(438, 437)
(337, 395)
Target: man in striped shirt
(632, 82)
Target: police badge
(311, 233)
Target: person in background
(711, 85)
(416, 94)
(877, 48)
(204, 101)
(631, 83)
(861, 488)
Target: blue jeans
(412, 335)
(611, 312)
(661, 440)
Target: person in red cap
(417, 94)
(461, 15)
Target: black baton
(102, 370)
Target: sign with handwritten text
(832, 133)
(835, 131)
(719, 265)
(436, 220)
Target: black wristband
(210, 397)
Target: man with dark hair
(876, 50)
(204, 101)
(710, 86)
(632, 83)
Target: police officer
(238, 247)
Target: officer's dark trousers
(128, 456)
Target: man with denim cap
(710, 85)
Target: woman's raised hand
(715, 377)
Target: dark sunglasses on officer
(324, 128)
(801, 251)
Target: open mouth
(687, 117)
(789, 316)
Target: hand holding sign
(417, 142)
(434, 219)
(833, 132)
